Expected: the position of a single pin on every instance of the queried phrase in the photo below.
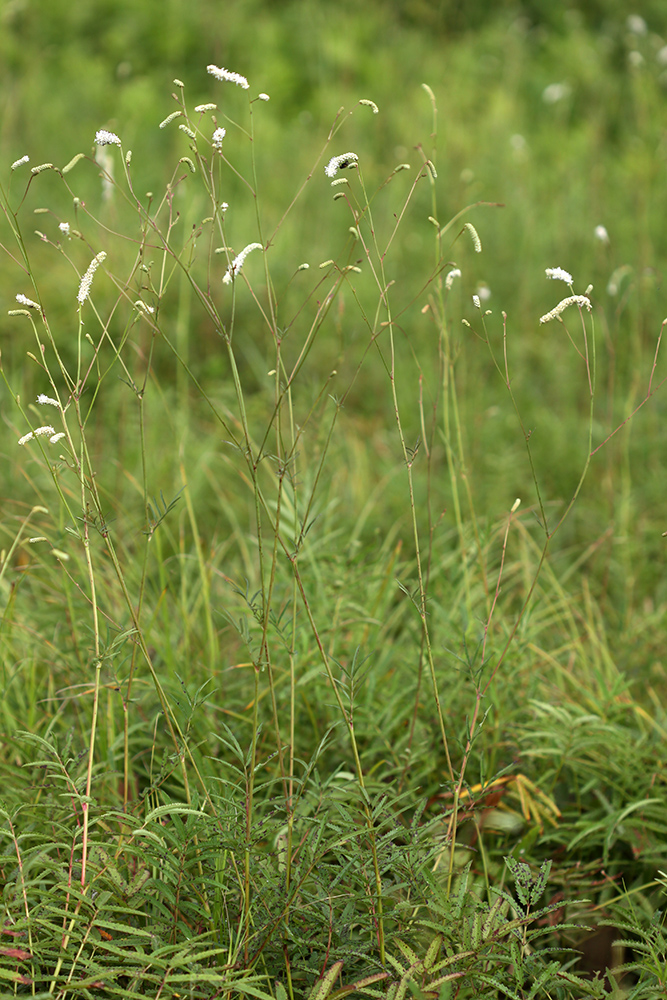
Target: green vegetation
(331, 652)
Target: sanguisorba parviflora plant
(280, 462)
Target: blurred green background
(555, 111)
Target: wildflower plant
(258, 852)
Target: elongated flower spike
(46, 431)
(25, 301)
(580, 300)
(337, 163)
(474, 236)
(558, 274)
(170, 118)
(234, 268)
(87, 280)
(226, 75)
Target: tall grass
(308, 686)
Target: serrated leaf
(505, 990)
(497, 912)
(459, 957)
(323, 986)
(396, 964)
(345, 991)
(477, 930)
(432, 951)
(540, 883)
(412, 956)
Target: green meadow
(332, 656)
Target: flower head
(236, 265)
(581, 300)
(337, 163)
(474, 236)
(558, 274)
(449, 280)
(64, 228)
(170, 118)
(19, 163)
(43, 399)
(104, 138)
(601, 234)
(218, 136)
(87, 280)
(25, 301)
(38, 432)
(226, 75)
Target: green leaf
(323, 986)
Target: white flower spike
(449, 280)
(104, 138)
(558, 274)
(87, 280)
(25, 301)
(226, 75)
(235, 267)
(38, 432)
(337, 163)
(581, 300)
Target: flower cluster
(558, 274)
(337, 163)
(226, 75)
(46, 431)
(474, 236)
(580, 300)
(236, 265)
(87, 280)
(449, 280)
(104, 138)
(218, 136)
(25, 301)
